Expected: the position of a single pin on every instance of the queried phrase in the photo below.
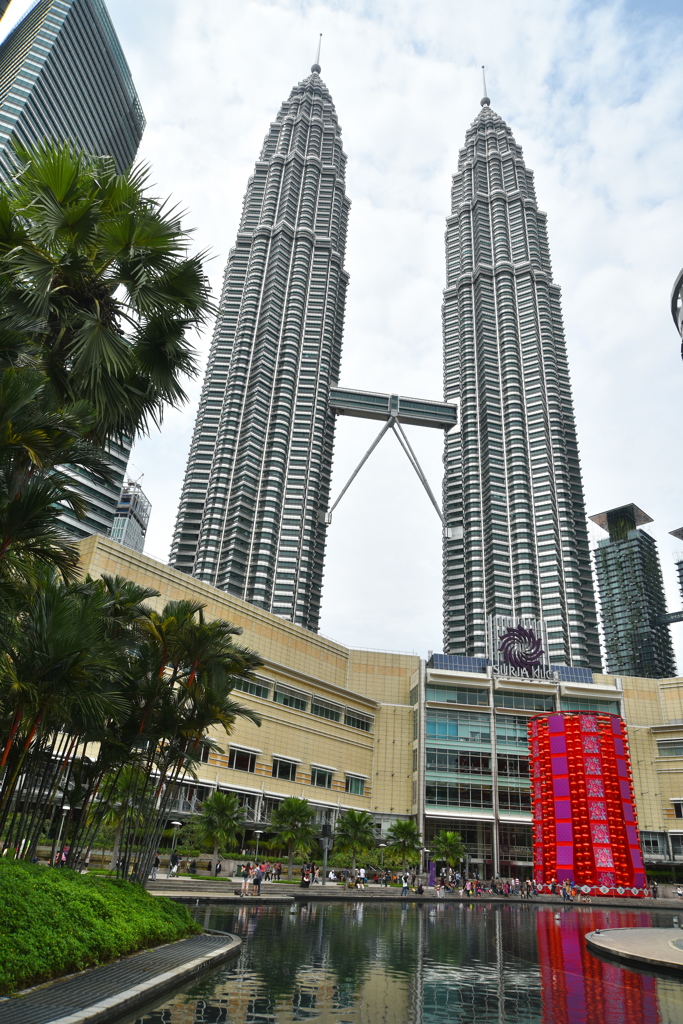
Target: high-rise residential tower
(631, 588)
(516, 541)
(252, 511)
(63, 76)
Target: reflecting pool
(355, 963)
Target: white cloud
(589, 94)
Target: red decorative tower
(584, 816)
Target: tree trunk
(214, 862)
(290, 866)
(117, 840)
(353, 865)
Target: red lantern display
(585, 828)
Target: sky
(593, 92)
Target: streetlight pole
(426, 853)
(175, 825)
(65, 811)
(382, 847)
(258, 833)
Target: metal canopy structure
(395, 410)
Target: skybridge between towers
(394, 410)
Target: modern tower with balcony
(631, 588)
(515, 538)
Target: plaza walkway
(103, 993)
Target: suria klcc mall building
(443, 741)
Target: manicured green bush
(54, 922)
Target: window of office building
(678, 808)
(524, 701)
(677, 846)
(457, 695)
(290, 698)
(284, 770)
(670, 748)
(464, 762)
(458, 725)
(321, 777)
(415, 759)
(355, 785)
(242, 760)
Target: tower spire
(485, 101)
(315, 68)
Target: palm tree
(403, 837)
(292, 822)
(354, 833)
(97, 287)
(448, 846)
(221, 819)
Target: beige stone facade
(337, 720)
(361, 729)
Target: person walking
(361, 874)
(173, 866)
(155, 866)
(655, 888)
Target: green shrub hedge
(54, 922)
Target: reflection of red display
(579, 988)
(584, 816)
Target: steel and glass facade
(515, 542)
(132, 517)
(252, 511)
(63, 76)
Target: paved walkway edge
(647, 947)
(115, 1006)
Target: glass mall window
(241, 760)
(457, 695)
(257, 689)
(324, 710)
(653, 844)
(524, 701)
(513, 766)
(453, 795)
(511, 730)
(357, 720)
(322, 778)
(458, 725)
(463, 762)
(355, 785)
(290, 698)
(284, 770)
(606, 707)
(677, 846)
(670, 748)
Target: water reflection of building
(577, 987)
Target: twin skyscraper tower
(254, 508)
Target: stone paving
(104, 993)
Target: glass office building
(516, 541)
(632, 598)
(63, 76)
(252, 511)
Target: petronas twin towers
(253, 511)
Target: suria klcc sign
(517, 648)
(585, 828)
